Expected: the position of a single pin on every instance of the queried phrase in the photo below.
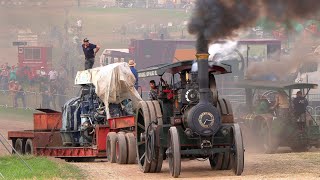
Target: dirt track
(9, 125)
(257, 166)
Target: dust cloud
(288, 65)
(217, 19)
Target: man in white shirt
(53, 74)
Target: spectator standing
(42, 75)
(53, 93)
(45, 95)
(89, 53)
(12, 89)
(1, 68)
(20, 94)
(6, 65)
(13, 73)
(4, 78)
(132, 65)
(32, 78)
(53, 75)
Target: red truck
(35, 57)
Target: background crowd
(18, 82)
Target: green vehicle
(188, 120)
(265, 127)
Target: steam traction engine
(188, 120)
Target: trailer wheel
(132, 152)
(111, 147)
(237, 150)
(121, 149)
(13, 145)
(19, 146)
(173, 152)
(29, 147)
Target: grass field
(98, 24)
(42, 168)
(16, 114)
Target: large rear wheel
(148, 152)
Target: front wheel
(237, 151)
(173, 152)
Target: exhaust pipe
(203, 118)
(203, 78)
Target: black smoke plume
(219, 19)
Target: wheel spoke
(143, 155)
(141, 126)
(141, 143)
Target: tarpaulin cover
(114, 83)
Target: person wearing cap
(89, 53)
(300, 104)
(42, 75)
(132, 65)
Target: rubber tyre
(29, 147)
(19, 146)
(132, 151)
(121, 149)
(111, 147)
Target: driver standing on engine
(153, 93)
(300, 104)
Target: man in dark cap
(89, 53)
(300, 104)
